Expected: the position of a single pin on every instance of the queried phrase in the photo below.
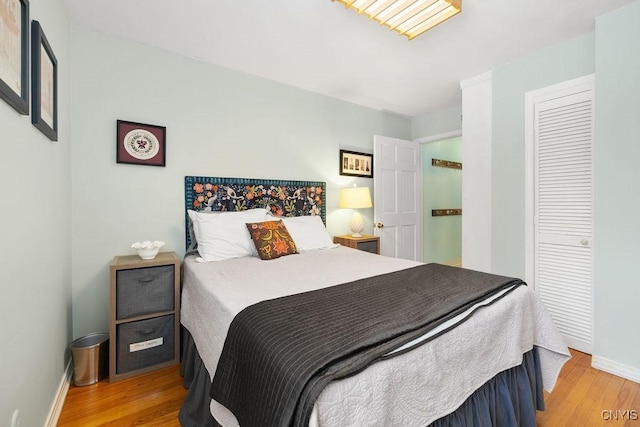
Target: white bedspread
(414, 388)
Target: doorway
(442, 201)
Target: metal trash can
(90, 356)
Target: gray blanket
(280, 354)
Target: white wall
(219, 123)
(477, 132)
(35, 245)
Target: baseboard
(615, 368)
(58, 403)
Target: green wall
(68, 208)
(441, 189)
(35, 244)
(437, 122)
(566, 61)
(617, 173)
(219, 123)
(442, 237)
(610, 53)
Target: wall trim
(480, 78)
(439, 137)
(477, 187)
(61, 395)
(615, 368)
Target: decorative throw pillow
(271, 238)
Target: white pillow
(308, 232)
(225, 235)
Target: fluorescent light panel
(409, 18)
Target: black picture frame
(18, 99)
(141, 143)
(353, 163)
(44, 84)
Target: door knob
(584, 242)
(379, 225)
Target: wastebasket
(90, 356)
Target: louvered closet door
(564, 213)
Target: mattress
(414, 388)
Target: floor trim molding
(58, 403)
(615, 368)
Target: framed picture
(44, 84)
(14, 54)
(141, 144)
(356, 164)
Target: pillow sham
(193, 242)
(308, 232)
(271, 239)
(223, 235)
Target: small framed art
(140, 144)
(356, 164)
(14, 54)
(44, 84)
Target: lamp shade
(355, 198)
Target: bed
(485, 363)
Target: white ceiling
(320, 46)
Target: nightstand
(365, 243)
(144, 327)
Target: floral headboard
(282, 198)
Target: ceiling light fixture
(409, 18)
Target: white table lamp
(355, 198)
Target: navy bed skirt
(511, 398)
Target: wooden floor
(148, 400)
(581, 395)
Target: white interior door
(563, 135)
(397, 193)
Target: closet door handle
(379, 225)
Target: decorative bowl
(147, 249)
